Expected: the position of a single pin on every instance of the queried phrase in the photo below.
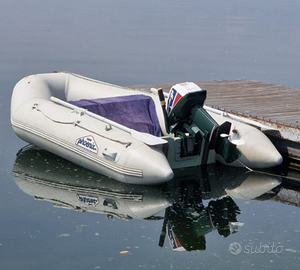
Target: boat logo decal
(174, 242)
(174, 97)
(88, 143)
(88, 200)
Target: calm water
(139, 42)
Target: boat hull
(109, 149)
(90, 143)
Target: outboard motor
(187, 119)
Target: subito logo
(235, 248)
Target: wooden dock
(272, 105)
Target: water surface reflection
(196, 202)
(48, 177)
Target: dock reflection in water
(197, 201)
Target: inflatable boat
(132, 136)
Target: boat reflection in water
(197, 201)
(48, 177)
(203, 202)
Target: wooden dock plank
(256, 99)
(272, 102)
(274, 105)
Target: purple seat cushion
(135, 112)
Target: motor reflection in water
(196, 202)
(202, 202)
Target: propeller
(234, 138)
